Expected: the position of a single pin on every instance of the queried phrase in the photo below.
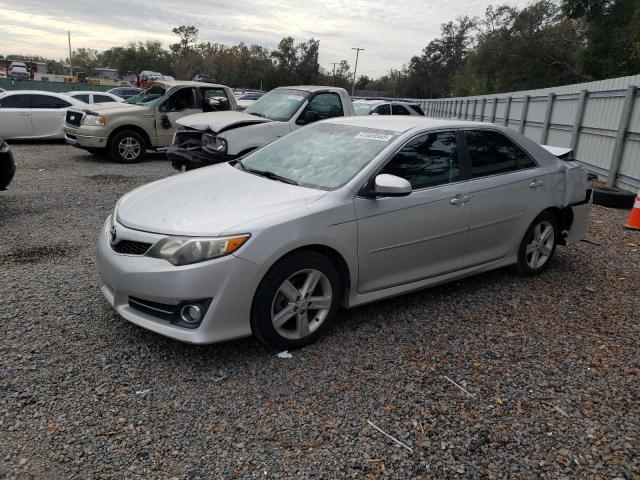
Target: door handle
(148, 115)
(536, 183)
(459, 200)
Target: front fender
(249, 137)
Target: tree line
(546, 43)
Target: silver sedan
(340, 213)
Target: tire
(127, 146)
(545, 246)
(282, 306)
(613, 197)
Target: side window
(384, 109)
(492, 153)
(83, 98)
(183, 99)
(326, 105)
(15, 101)
(214, 100)
(427, 160)
(47, 101)
(416, 108)
(101, 98)
(399, 110)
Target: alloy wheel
(301, 304)
(129, 148)
(540, 246)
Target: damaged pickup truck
(210, 138)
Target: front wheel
(538, 245)
(127, 146)
(296, 301)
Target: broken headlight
(214, 144)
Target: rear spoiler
(562, 153)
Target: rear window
(492, 153)
(15, 101)
(416, 108)
(82, 97)
(102, 98)
(399, 110)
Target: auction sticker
(381, 137)
(295, 97)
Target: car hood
(114, 107)
(220, 121)
(208, 201)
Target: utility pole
(355, 70)
(333, 81)
(70, 67)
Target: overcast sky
(390, 31)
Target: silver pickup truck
(209, 138)
(145, 122)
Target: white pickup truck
(209, 138)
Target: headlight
(94, 120)
(214, 144)
(187, 250)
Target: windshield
(147, 97)
(361, 108)
(323, 155)
(279, 105)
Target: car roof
(188, 83)
(84, 92)
(402, 123)
(309, 88)
(36, 92)
(367, 101)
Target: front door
(47, 115)
(178, 104)
(422, 235)
(507, 187)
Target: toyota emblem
(114, 234)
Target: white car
(342, 212)
(34, 114)
(89, 96)
(387, 107)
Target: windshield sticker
(297, 98)
(374, 136)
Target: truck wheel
(127, 146)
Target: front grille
(129, 247)
(160, 310)
(74, 118)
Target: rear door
(422, 235)
(15, 116)
(325, 104)
(47, 115)
(508, 188)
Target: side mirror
(310, 116)
(386, 185)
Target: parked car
(18, 71)
(340, 213)
(7, 165)
(34, 114)
(387, 107)
(125, 92)
(247, 99)
(204, 78)
(144, 122)
(210, 138)
(89, 96)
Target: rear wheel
(296, 301)
(127, 146)
(538, 245)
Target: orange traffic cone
(634, 219)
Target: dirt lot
(551, 364)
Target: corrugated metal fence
(599, 120)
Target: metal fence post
(473, 112)
(525, 109)
(621, 137)
(482, 104)
(466, 109)
(547, 119)
(461, 102)
(507, 111)
(577, 123)
(493, 110)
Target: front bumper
(191, 158)
(72, 137)
(229, 281)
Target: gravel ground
(551, 364)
